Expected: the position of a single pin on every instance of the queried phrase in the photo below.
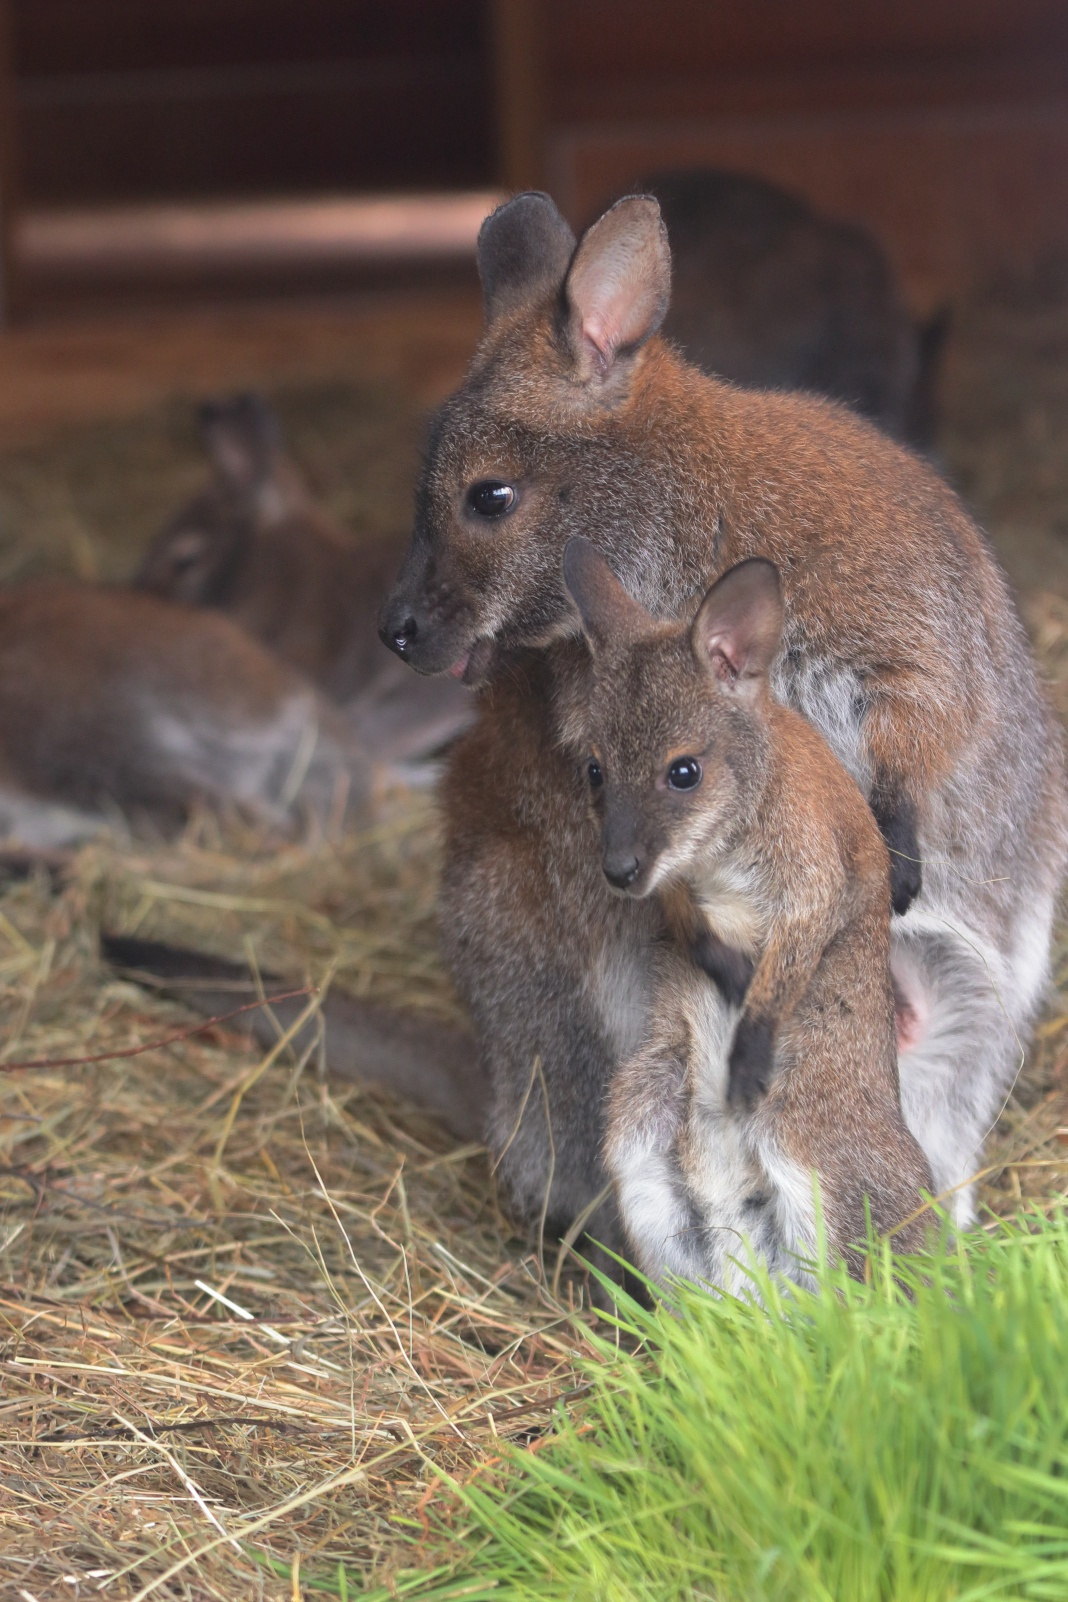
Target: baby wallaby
(776, 878)
(255, 544)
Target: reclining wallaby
(115, 702)
(703, 786)
(256, 545)
(769, 293)
(901, 644)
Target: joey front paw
(728, 968)
(749, 1066)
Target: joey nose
(621, 871)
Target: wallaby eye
(186, 551)
(684, 774)
(595, 773)
(491, 498)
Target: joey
(715, 795)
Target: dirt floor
(244, 1310)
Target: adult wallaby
(702, 785)
(116, 703)
(769, 293)
(901, 644)
(256, 545)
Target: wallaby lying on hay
(704, 786)
(901, 644)
(115, 702)
(768, 293)
(255, 545)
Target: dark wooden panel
(943, 124)
(819, 89)
(956, 194)
(592, 40)
(9, 176)
(135, 99)
(84, 36)
(402, 124)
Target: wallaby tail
(427, 1061)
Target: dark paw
(896, 816)
(728, 968)
(906, 882)
(749, 1066)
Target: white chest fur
(730, 894)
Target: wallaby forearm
(782, 976)
(907, 739)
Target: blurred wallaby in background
(770, 294)
(119, 706)
(255, 544)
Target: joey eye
(595, 773)
(684, 774)
(491, 498)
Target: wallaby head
(677, 715)
(513, 457)
(255, 486)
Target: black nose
(622, 874)
(399, 638)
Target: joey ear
(619, 284)
(243, 437)
(607, 611)
(523, 251)
(737, 630)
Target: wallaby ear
(523, 251)
(738, 628)
(244, 439)
(608, 613)
(619, 284)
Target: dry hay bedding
(247, 1307)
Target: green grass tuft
(904, 1440)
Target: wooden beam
(519, 86)
(9, 167)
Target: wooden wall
(941, 123)
(122, 100)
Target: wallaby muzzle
(621, 869)
(422, 620)
(624, 859)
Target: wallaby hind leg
(957, 1077)
(546, 1118)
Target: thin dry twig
(155, 1045)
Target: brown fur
(112, 701)
(780, 856)
(901, 644)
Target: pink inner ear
(601, 338)
(722, 666)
